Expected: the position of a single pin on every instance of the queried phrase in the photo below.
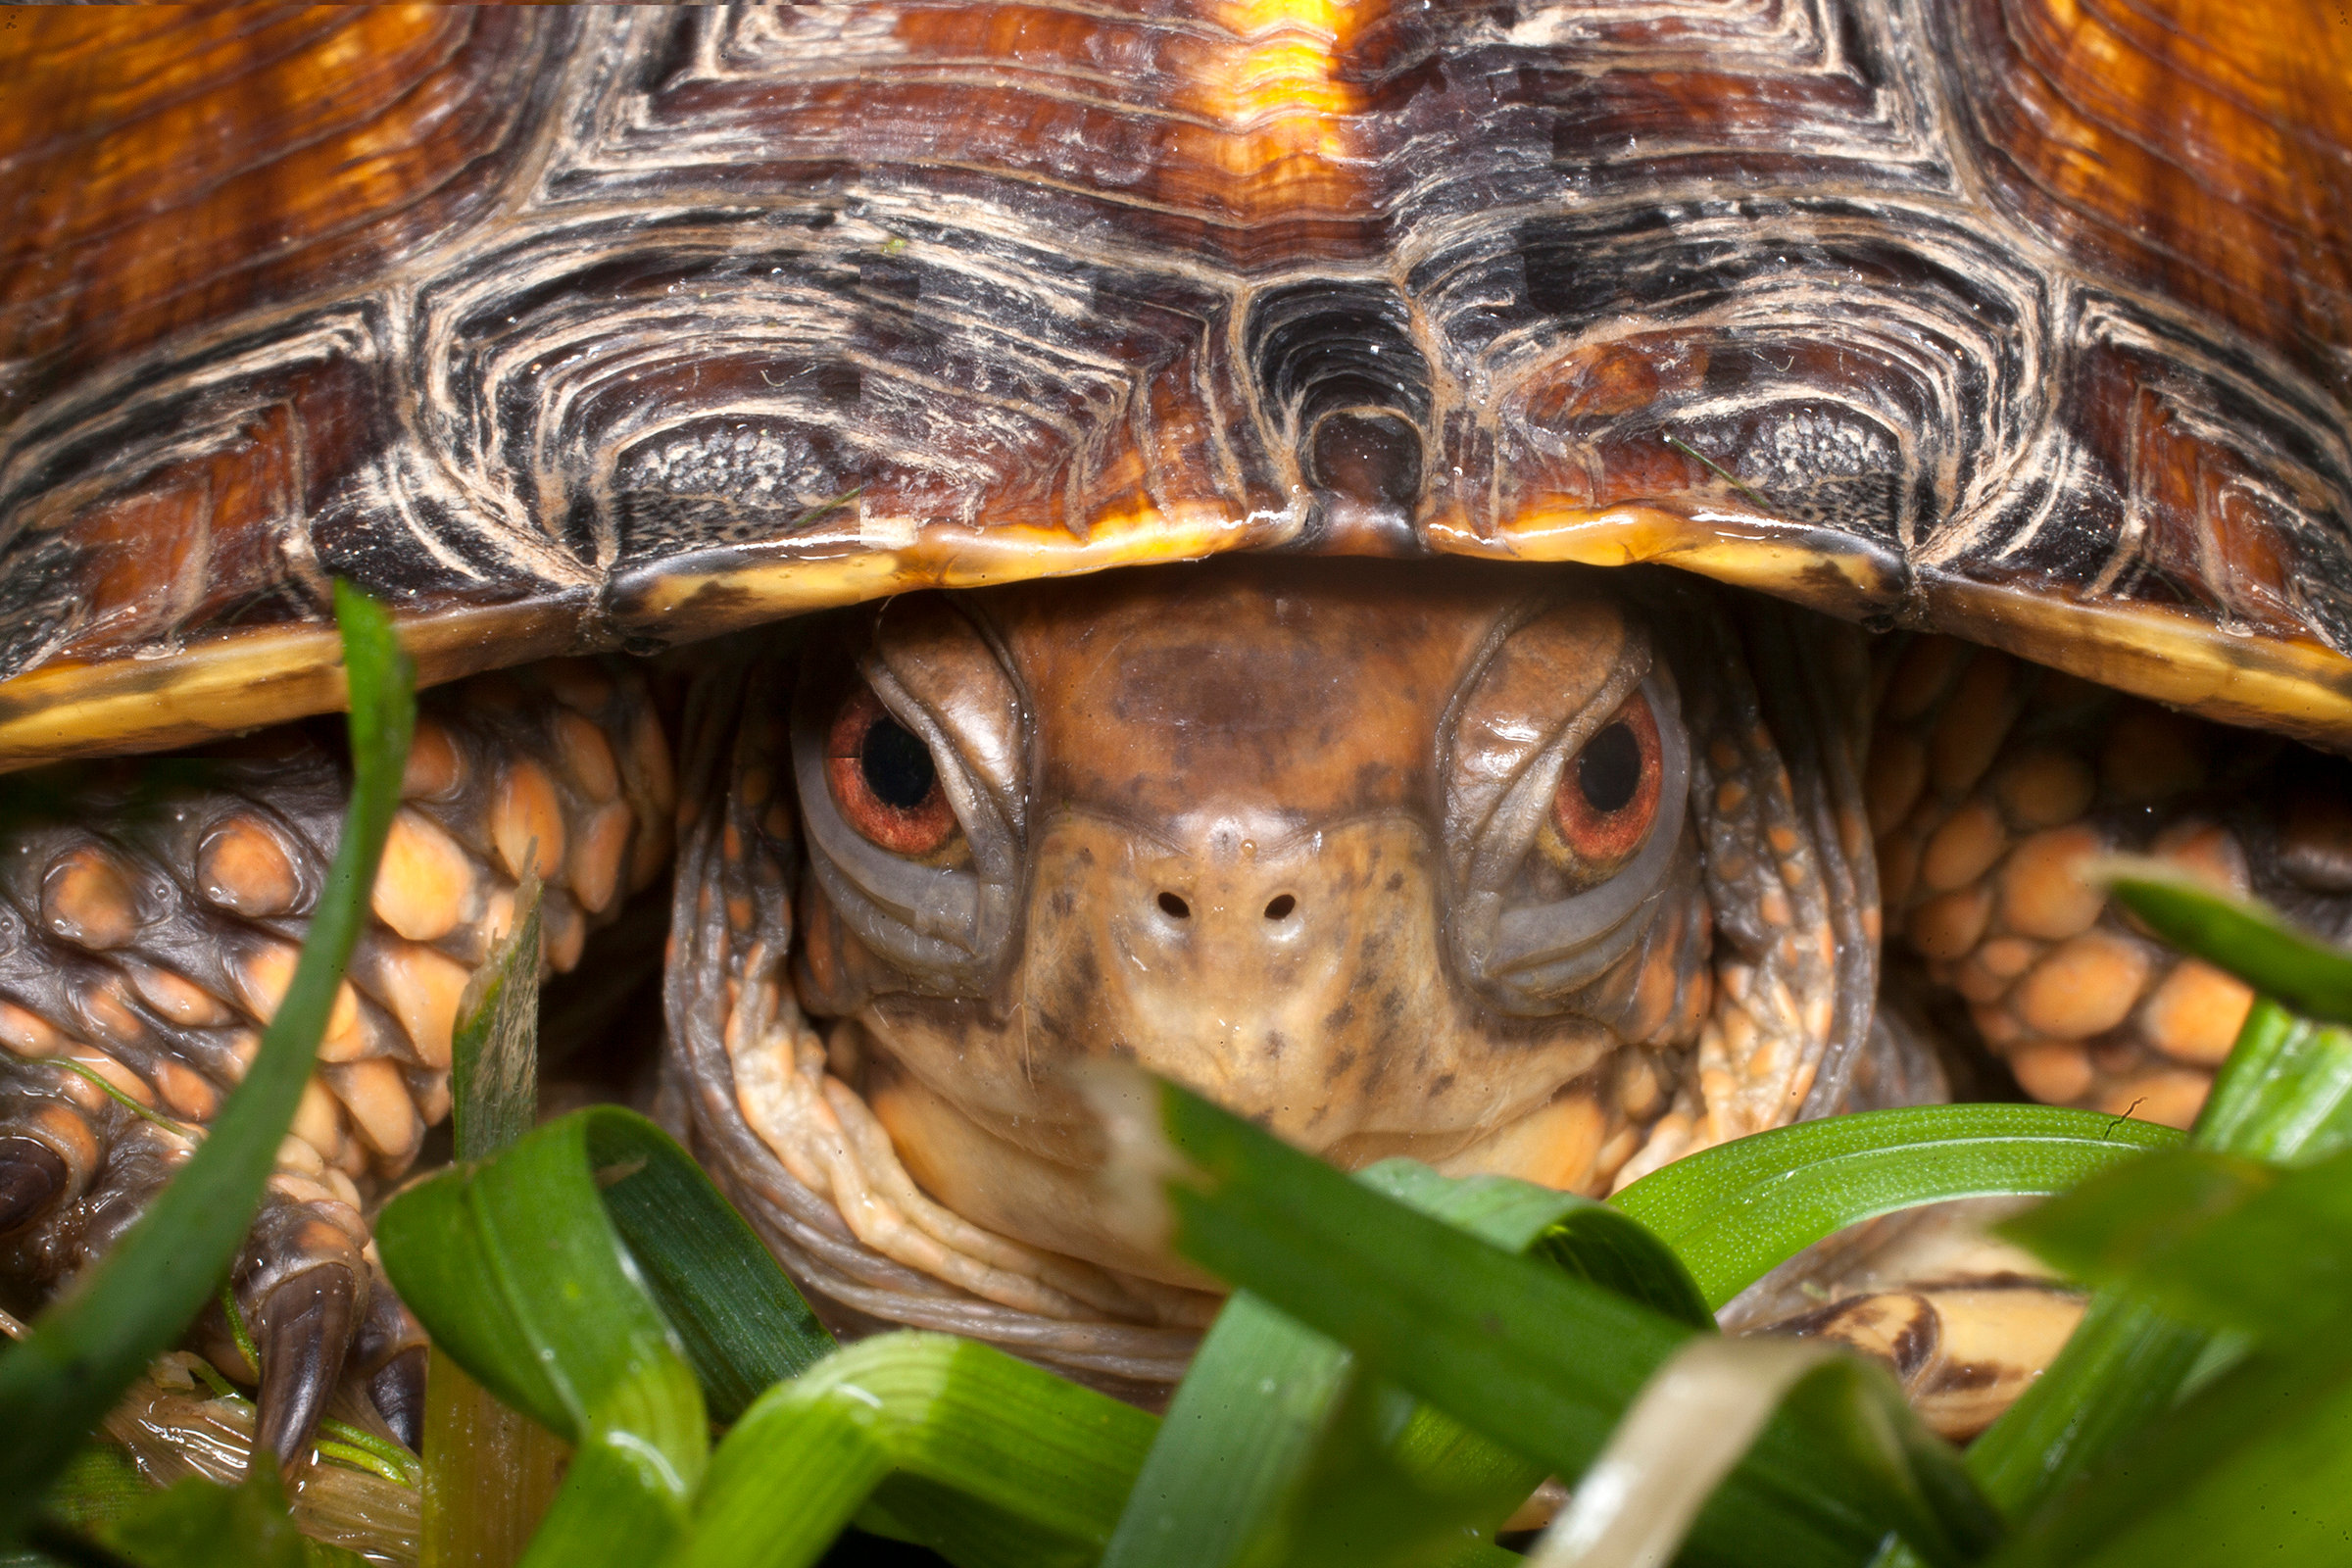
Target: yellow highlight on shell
(1283, 82)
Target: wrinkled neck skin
(1393, 859)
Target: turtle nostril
(1281, 907)
(1174, 907)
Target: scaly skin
(1993, 783)
(149, 919)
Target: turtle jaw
(1297, 977)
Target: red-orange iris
(1608, 793)
(884, 779)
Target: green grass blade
(591, 1247)
(2251, 942)
(965, 1418)
(515, 1271)
(200, 1523)
(737, 1315)
(490, 1473)
(1542, 1363)
(56, 1384)
(624, 1501)
(591, 1276)
(494, 1051)
(2182, 1229)
(2282, 1096)
(964, 1530)
(1239, 1437)
(2253, 1468)
(1585, 1240)
(1734, 1211)
(2285, 1092)
(1274, 1449)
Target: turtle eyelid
(944, 927)
(1527, 957)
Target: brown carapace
(1955, 389)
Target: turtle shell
(2025, 319)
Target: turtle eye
(884, 779)
(1608, 793)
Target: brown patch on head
(1309, 692)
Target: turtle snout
(1185, 915)
(1275, 971)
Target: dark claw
(32, 1175)
(302, 1330)
(398, 1389)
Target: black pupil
(896, 764)
(1609, 769)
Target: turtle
(1537, 586)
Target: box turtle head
(615, 330)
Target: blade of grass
(83, 1351)
(494, 1050)
(963, 1417)
(490, 1472)
(1274, 1449)
(589, 1275)
(966, 1532)
(2280, 1096)
(2180, 1229)
(1602, 1245)
(2297, 970)
(1239, 1437)
(515, 1271)
(2254, 1467)
(2285, 1092)
(1542, 1363)
(199, 1523)
(592, 1244)
(1734, 1211)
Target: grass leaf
(2299, 971)
(1734, 1211)
(2252, 1468)
(86, 1348)
(1541, 1363)
(491, 1474)
(2182, 1229)
(1051, 1460)
(1274, 1449)
(494, 1050)
(201, 1524)
(2285, 1092)
(2282, 1096)
(590, 1249)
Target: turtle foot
(304, 1332)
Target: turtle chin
(1297, 977)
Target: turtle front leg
(1993, 783)
(151, 912)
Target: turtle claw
(303, 1331)
(31, 1176)
(398, 1389)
